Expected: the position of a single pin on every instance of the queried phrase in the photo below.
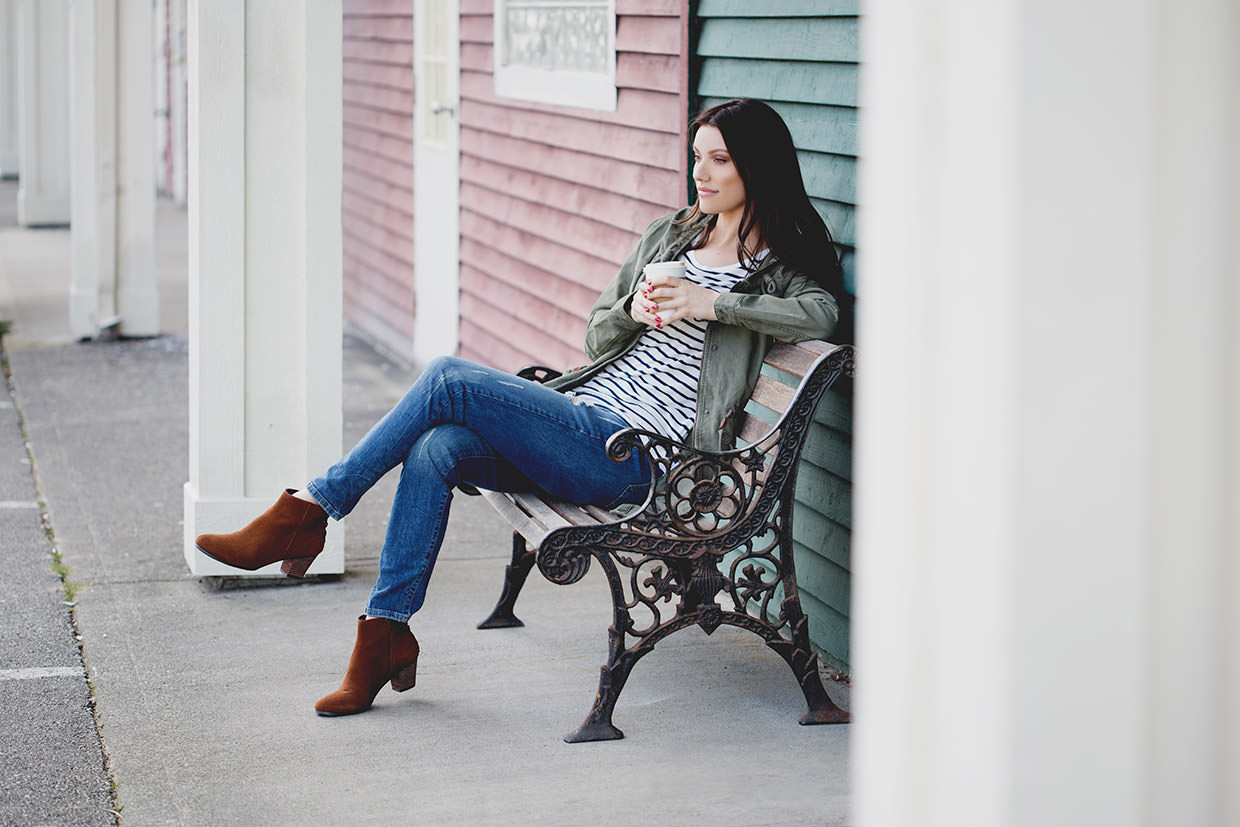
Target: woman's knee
(437, 383)
(443, 448)
(444, 366)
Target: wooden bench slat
(794, 359)
(817, 346)
(601, 514)
(753, 429)
(575, 514)
(540, 511)
(773, 394)
(516, 517)
(533, 517)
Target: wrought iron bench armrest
(703, 501)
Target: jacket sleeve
(806, 311)
(610, 323)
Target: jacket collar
(764, 278)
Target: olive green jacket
(770, 302)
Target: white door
(436, 179)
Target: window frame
(584, 90)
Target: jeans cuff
(323, 503)
(371, 611)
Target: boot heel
(296, 567)
(406, 678)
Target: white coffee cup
(676, 269)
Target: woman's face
(719, 185)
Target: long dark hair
(778, 213)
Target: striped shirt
(654, 386)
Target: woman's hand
(663, 300)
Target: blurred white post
(8, 89)
(169, 36)
(92, 164)
(113, 177)
(137, 296)
(1047, 590)
(264, 261)
(43, 113)
(177, 99)
(159, 87)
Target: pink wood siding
(553, 198)
(378, 172)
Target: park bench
(711, 545)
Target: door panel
(436, 174)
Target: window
(556, 52)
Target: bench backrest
(775, 396)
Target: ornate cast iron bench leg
(597, 725)
(795, 648)
(612, 677)
(502, 616)
(621, 660)
(699, 608)
(804, 664)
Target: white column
(92, 165)
(264, 260)
(137, 296)
(8, 89)
(159, 37)
(177, 99)
(169, 37)
(43, 113)
(113, 177)
(1046, 627)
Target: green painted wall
(800, 56)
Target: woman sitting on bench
(676, 356)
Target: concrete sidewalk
(204, 695)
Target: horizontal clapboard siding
(800, 56)
(553, 198)
(377, 201)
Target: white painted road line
(40, 672)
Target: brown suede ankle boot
(292, 530)
(385, 651)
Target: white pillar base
(35, 210)
(139, 311)
(222, 515)
(83, 312)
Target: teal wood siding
(800, 56)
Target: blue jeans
(462, 422)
